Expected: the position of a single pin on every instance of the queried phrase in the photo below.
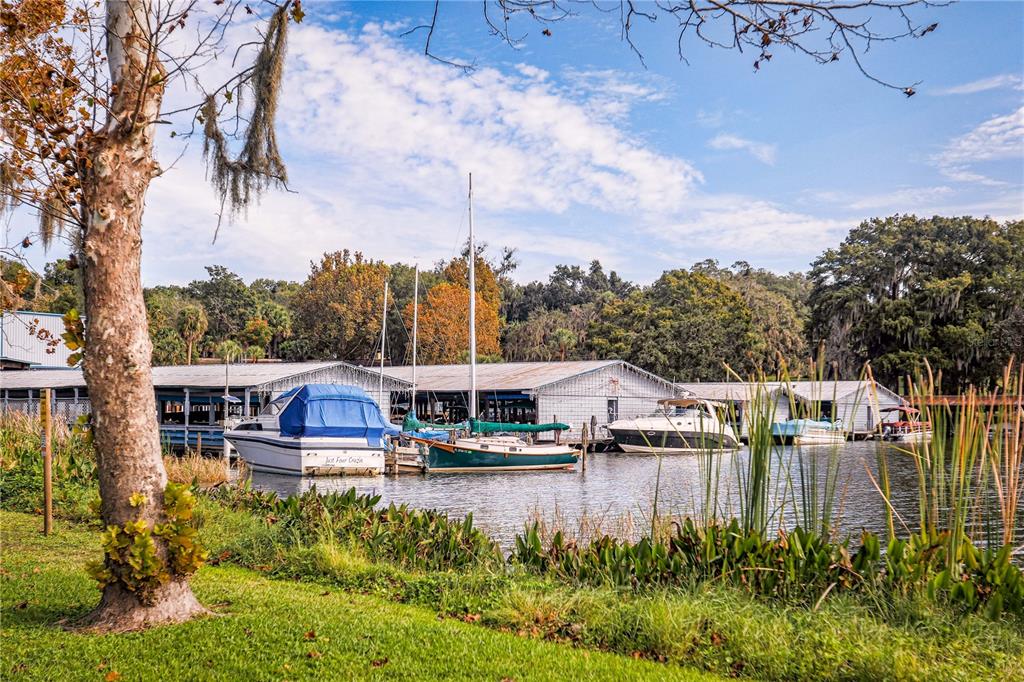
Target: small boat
(315, 430)
(681, 425)
(493, 449)
(907, 427)
(808, 432)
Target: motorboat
(679, 425)
(808, 432)
(316, 430)
(907, 427)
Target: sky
(579, 151)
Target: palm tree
(192, 324)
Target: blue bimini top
(320, 410)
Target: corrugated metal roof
(501, 376)
(240, 375)
(18, 342)
(804, 390)
(718, 390)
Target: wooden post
(583, 455)
(558, 434)
(44, 411)
(187, 411)
(199, 443)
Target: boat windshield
(274, 407)
(678, 411)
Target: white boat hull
(916, 437)
(668, 434)
(820, 437)
(308, 456)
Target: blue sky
(579, 152)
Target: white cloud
(733, 226)
(420, 126)
(1006, 80)
(710, 119)
(765, 153)
(904, 199)
(998, 139)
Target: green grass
(268, 630)
(708, 626)
(463, 624)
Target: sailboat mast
(383, 334)
(472, 308)
(415, 331)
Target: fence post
(44, 412)
(199, 443)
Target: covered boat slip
(190, 399)
(857, 405)
(571, 392)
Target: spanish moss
(240, 181)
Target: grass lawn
(267, 630)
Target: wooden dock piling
(583, 455)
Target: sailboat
(493, 448)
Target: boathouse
(533, 392)
(857, 404)
(31, 340)
(191, 399)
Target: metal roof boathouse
(23, 341)
(535, 392)
(857, 404)
(190, 398)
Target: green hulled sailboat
(494, 447)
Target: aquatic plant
(420, 539)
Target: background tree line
(898, 291)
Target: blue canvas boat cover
(319, 410)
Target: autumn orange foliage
(444, 328)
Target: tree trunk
(188, 360)
(118, 355)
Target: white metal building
(536, 392)
(856, 403)
(32, 340)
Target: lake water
(619, 489)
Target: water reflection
(618, 484)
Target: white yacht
(314, 430)
(680, 425)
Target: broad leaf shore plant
(83, 88)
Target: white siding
(576, 399)
(19, 339)
(341, 374)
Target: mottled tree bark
(118, 351)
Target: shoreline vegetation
(940, 597)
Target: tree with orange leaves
(444, 332)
